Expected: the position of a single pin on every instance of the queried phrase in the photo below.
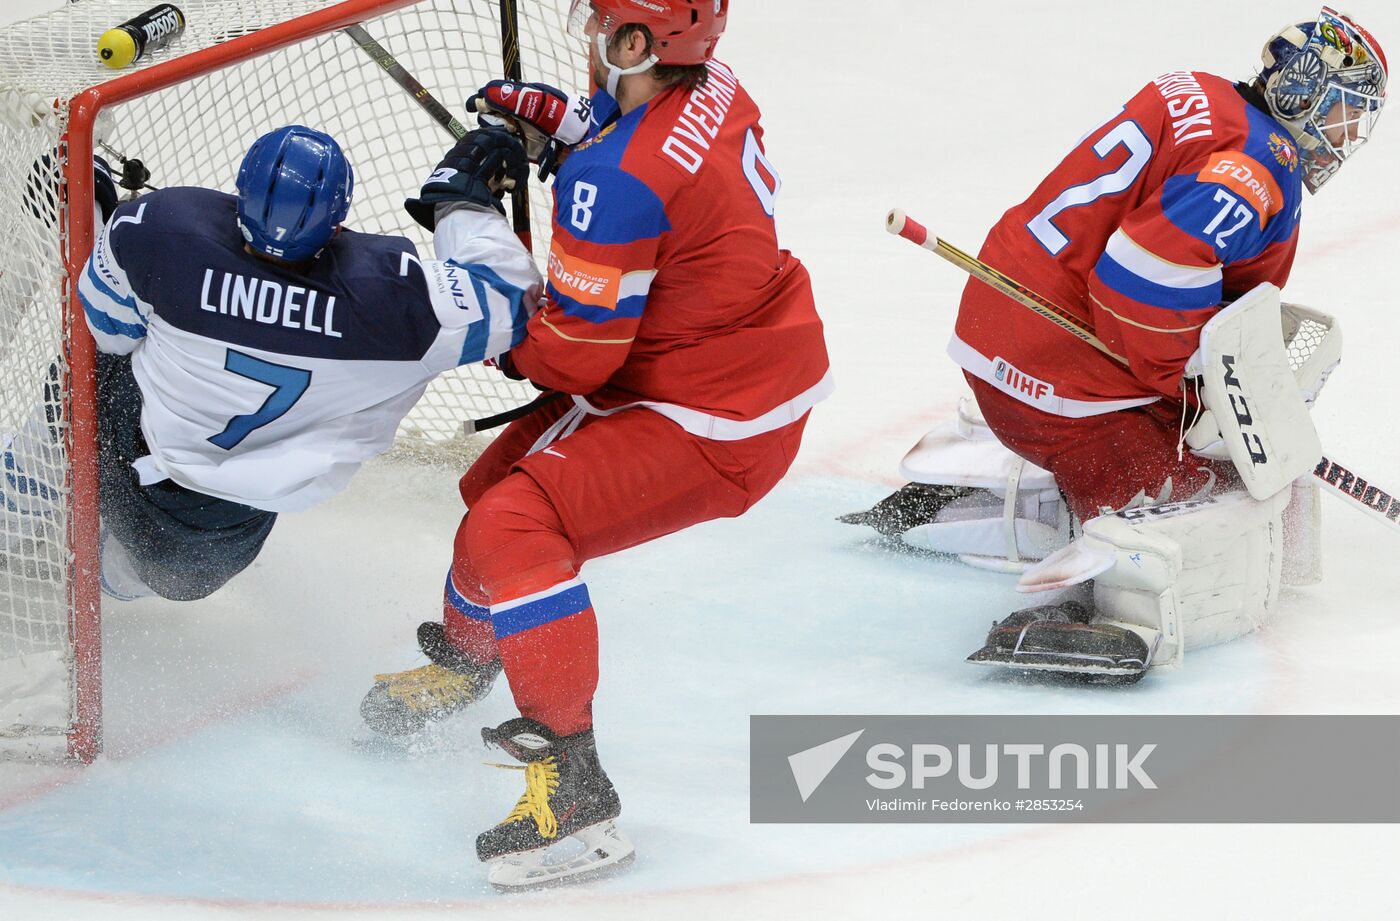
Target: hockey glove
(104, 188)
(39, 195)
(506, 365)
(548, 118)
(479, 169)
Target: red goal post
(238, 70)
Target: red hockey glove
(547, 118)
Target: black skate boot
(1065, 640)
(908, 507)
(404, 702)
(567, 795)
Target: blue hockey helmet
(1325, 80)
(294, 190)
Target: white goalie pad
(120, 580)
(1184, 574)
(1017, 515)
(24, 110)
(1253, 395)
(964, 452)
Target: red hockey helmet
(683, 31)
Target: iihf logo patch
(1000, 371)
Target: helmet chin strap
(615, 73)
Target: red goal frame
(84, 592)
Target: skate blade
(1086, 668)
(589, 854)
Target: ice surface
(238, 782)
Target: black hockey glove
(479, 169)
(104, 188)
(39, 189)
(506, 365)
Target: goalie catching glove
(478, 170)
(547, 118)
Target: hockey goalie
(1154, 490)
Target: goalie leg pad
(1191, 574)
(973, 498)
(1302, 534)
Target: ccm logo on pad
(1252, 442)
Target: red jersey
(666, 285)
(1188, 195)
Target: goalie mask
(1325, 81)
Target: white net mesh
(195, 133)
(1304, 331)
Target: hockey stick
(472, 426)
(519, 197)
(510, 58)
(1358, 492)
(381, 56)
(901, 224)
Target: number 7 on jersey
(287, 383)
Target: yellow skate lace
(428, 687)
(541, 781)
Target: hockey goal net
(189, 112)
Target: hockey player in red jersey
(1186, 200)
(689, 348)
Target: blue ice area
(283, 798)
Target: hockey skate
(970, 498)
(563, 828)
(1063, 639)
(908, 507)
(404, 702)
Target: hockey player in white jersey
(254, 353)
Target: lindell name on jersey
(265, 301)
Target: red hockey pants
(533, 518)
(1105, 460)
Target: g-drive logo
(1067, 766)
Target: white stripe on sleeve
(1125, 251)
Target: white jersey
(268, 385)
